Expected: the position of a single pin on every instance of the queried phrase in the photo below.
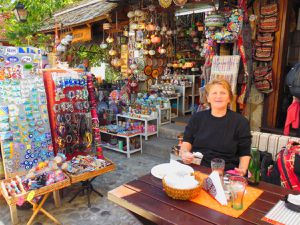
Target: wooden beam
(270, 111)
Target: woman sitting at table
(218, 132)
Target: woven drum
(183, 194)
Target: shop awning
(83, 12)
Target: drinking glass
(237, 187)
(218, 165)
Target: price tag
(30, 196)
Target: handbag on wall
(268, 18)
(263, 78)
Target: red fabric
(292, 117)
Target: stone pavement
(102, 211)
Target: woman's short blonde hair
(219, 81)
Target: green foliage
(96, 56)
(21, 33)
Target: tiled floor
(102, 211)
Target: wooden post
(13, 214)
(271, 103)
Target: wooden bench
(269, 142)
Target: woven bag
(263, 79)
(269, 10)
(265, 37)
(268, 24)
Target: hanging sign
(82, 34)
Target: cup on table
(218, 165)
(237, 187)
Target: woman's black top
(226, 137)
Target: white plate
(162, 170)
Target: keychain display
(72, 116)
(25, 131)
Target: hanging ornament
(106, 26)
(150, 27)
(130, 14)
(162, 50)
(151, 8)
(112, 52)
(165, 3)
(110, 39)
(103, 45)
(180, 2)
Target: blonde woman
(218, 132)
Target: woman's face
(218, 97)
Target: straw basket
(183, 194)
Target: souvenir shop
(55, 122)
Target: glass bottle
(254, 167)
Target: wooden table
(145, 197)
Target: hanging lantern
(145, 52)
(150, 27)
(138, 13)
(151, 8)
(133, 26)
(116, 62)
(162, 50)
(155, 39)
(133, 66)
(169, 32)
(138, 45)
(112, 52)
(151, 52)
(110, 39)
(103, 45)
(141, 26)
(130, 14)
(106, 26)
(147, 41)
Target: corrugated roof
(75, 15)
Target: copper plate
(154, 62)
(148, 70)
(160, 62)
(149, 61)
(160, 70)
(155, 73)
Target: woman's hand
(241, 171)
(186, 156)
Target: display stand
(189, 94)
(45, 192)
(127, 138)
(176, 99)
(86, 180)
(146, 120)
(161, 113)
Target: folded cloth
(213, 185)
